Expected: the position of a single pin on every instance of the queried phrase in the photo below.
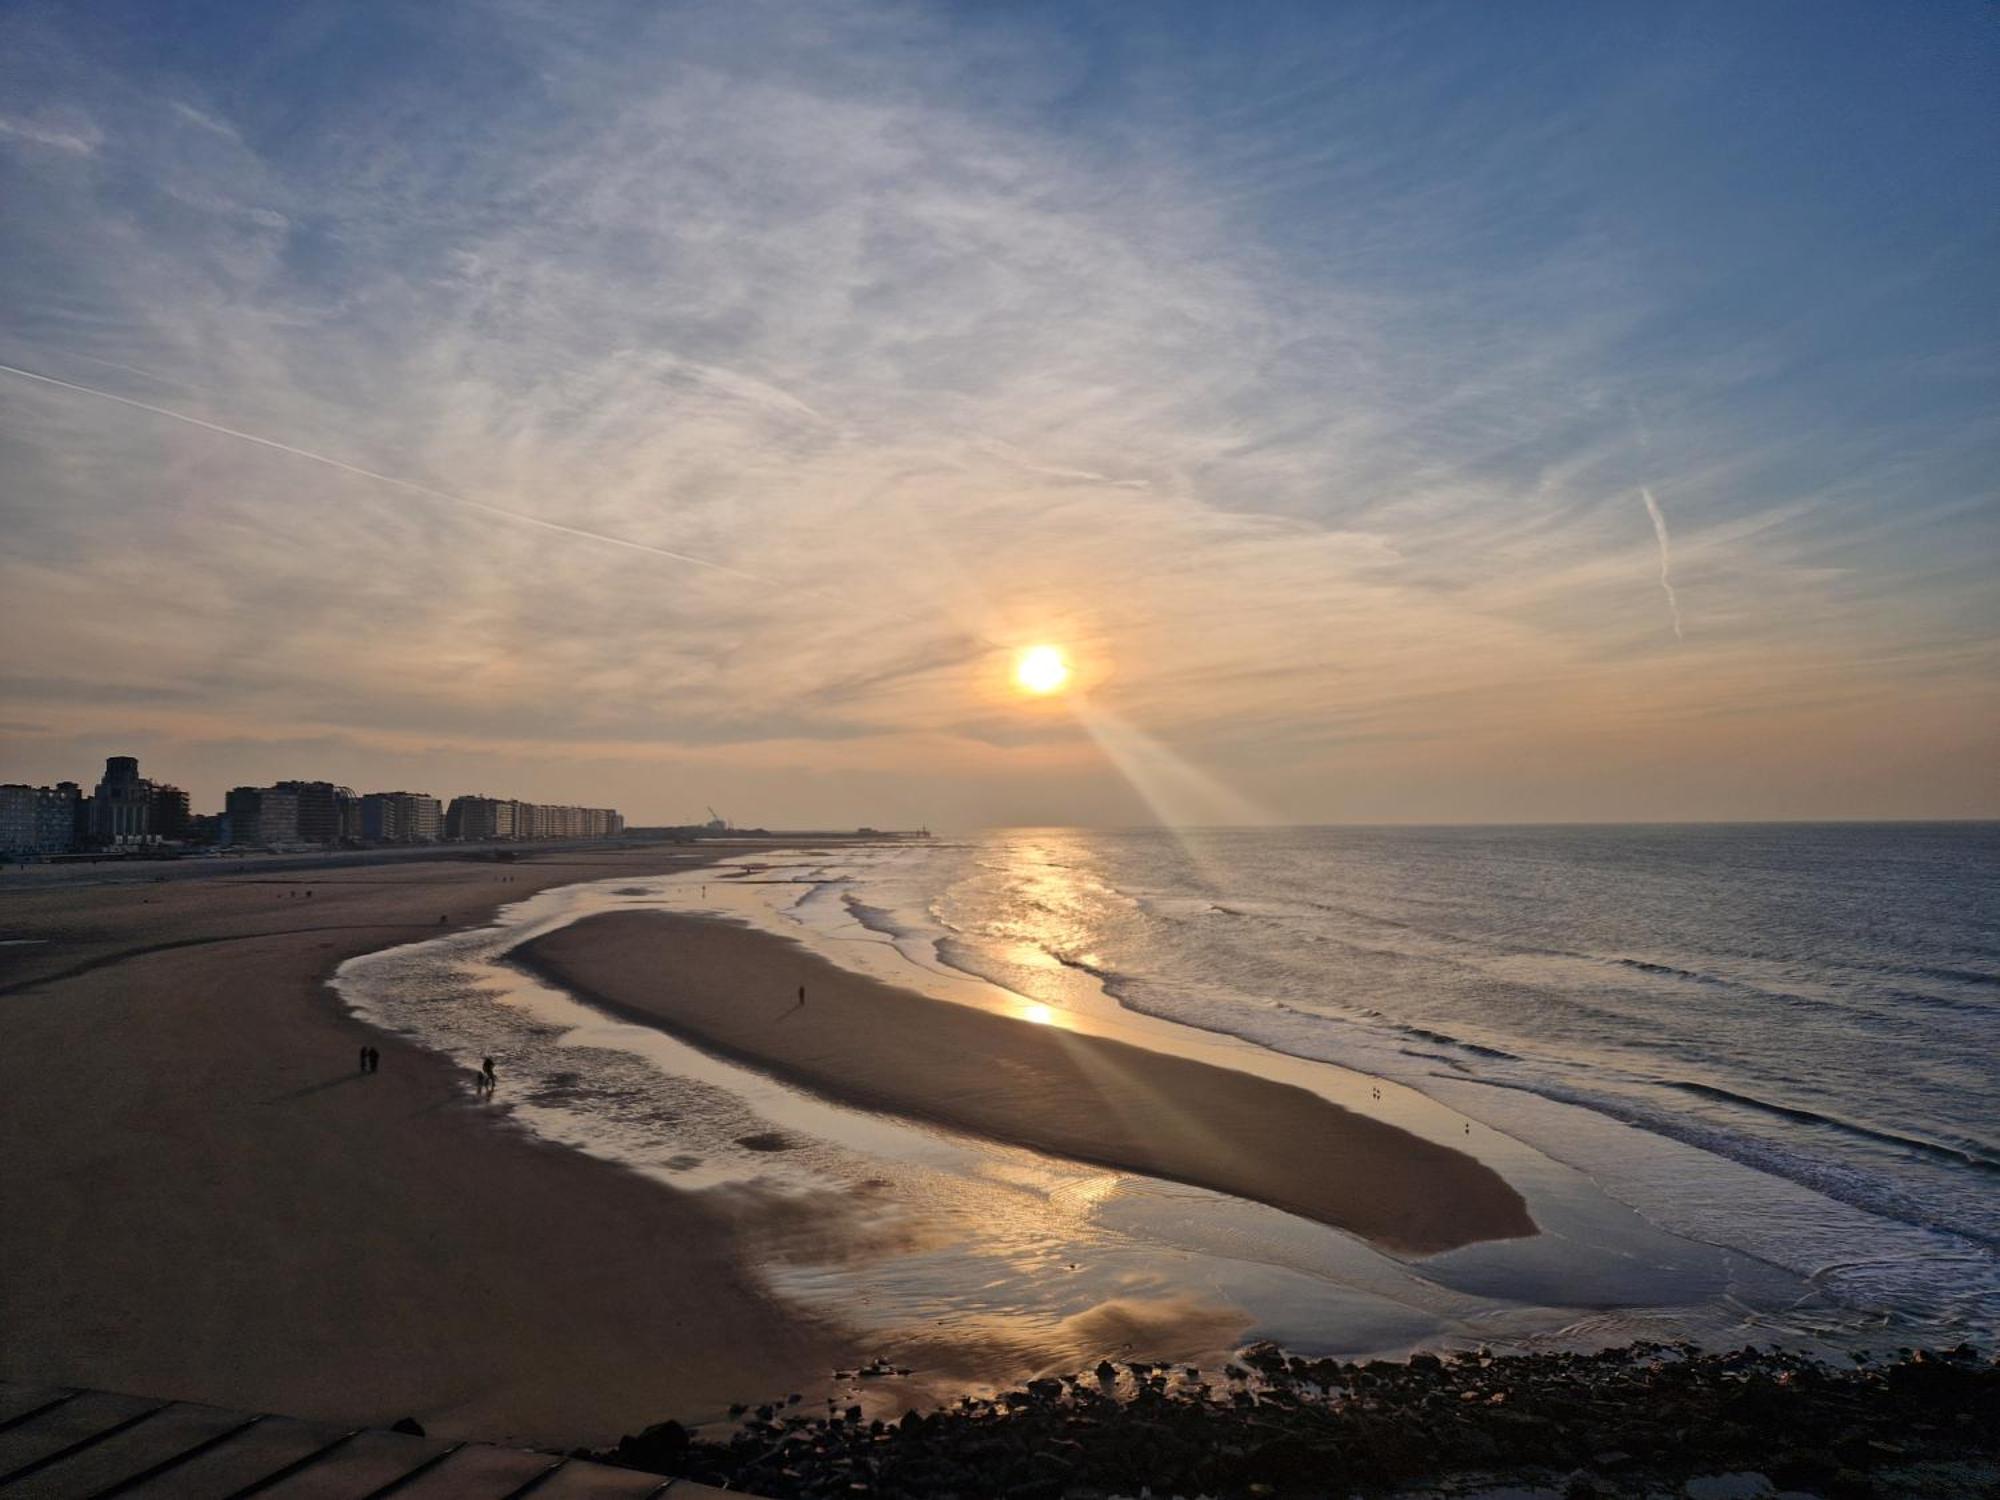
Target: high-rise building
(327, 813)
(167, 812)
(481, 818)
(381, 817)
(401, 818)
(262, 815)
(38, 819)
(425, 815)
(19, 805)
(121, 808)
(59, 817)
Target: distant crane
(716, 822)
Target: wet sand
(204, 1199)
(733, 991)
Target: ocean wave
(1942, 1002)
(1445, 1039)
(1096, 970)
(1965, 1155)
(1864, 1011)
(1958, 976)
(1831, 1179)
(881, 919)
(1647, 966)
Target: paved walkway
(64, 1444)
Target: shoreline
(867, 1043)
(208, 1200)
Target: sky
(1396, 412)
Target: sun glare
(1041, 670)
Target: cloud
(1666, 559)
(741, 386)
(76, 142)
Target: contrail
(1666, 559)
(390, 479)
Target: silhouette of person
(364, 1059)
(492, 1078)
(802, 994)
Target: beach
(205, 1199)
(209, 1200)
(695, 1189)
(773, 1005)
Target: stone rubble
(1647, 1419)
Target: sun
(1041, 670)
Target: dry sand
(200, 1197)
(733, 991)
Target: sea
(1748, 1078)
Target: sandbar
(733, 991)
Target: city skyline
(127, 813)
(1396, 413)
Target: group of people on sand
(486, 1079)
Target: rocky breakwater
(1644, 1419)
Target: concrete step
(62, 1444)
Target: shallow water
(1280, 952)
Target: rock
(1742, 1485)
(1806, 1468)
(1265, 1356)
(660, 1448)
(1641, 1414)
(408, 1425)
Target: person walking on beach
(364, 1058)
(490, 1079)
